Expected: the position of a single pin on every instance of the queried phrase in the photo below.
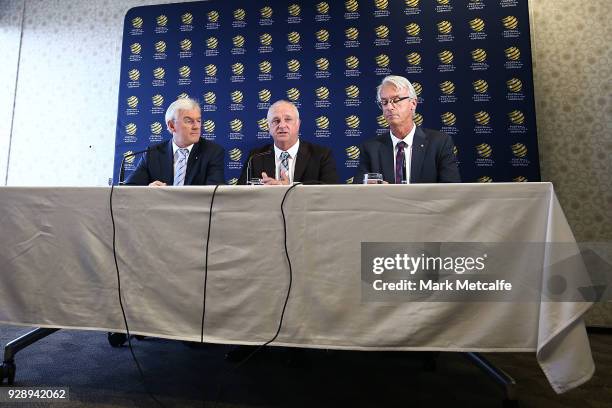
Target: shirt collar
(292, 150)
(175, 148)
(408, 139)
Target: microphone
(122, 167)
(249, 162)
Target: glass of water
(372, 178)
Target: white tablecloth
(57, 266)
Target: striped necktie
(400, 162)
(284, 165)
(180, 167)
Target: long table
(58, 270)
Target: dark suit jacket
(432, 161)
(204, 166)
(313, 163)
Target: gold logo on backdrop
(187, 18)
(184, 71)
(448, 118)
(157, 100)
(294, 10)
(236, 125)
(514, 85)
(211, 70)
(516, 117)
(238, 41)
(455, 150)
(352, 152)
(265, 39)
(382, 31)
(182, 95)
(265, 67)
(352, 121)
(239, 14)
(212, 43)
(237, 97)
(135, 48)
(132, 101)
(446, 57)
(137, 22)
(519, 150)
(482, 118)
(350, 180)
(485, 179)
(232, 182)
(209, 126)
(238, 68)
(351, 6)
(130, 129)
(352, 91)
(263, 125)
(443, 2)
(134, 74)
(322, 7)
(266, 12)
(322, 64)
(513, 53)
(510, 22)
(418, 88)
(293, 37)
(413, 29)
(293, 94)
(351, 33)
(412, 3)
(484, 150)
(185, 44)
(235, 154)
(381, 4)
(322, 92)
(352, 62)
(210, 98)
(418, 119)
(293, 65)
(382, 121)
(156, 128)
(477, 24)
(480, 86)
(383, 60)
(159, 73)
(130, 159)
(322, 122)
(479, 55)
(213, 16)
(413, 58)
(162, 20)
(445, 27)
(447, 87)
(264, 95)
(322, 35)
(160, 46)
(520, 179)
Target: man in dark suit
(186, 159)
(289, 159)
(408, 153)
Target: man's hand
(157, 183)
(269, 181)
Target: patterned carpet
(181, 376)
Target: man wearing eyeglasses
(186, 159)
(407, 153)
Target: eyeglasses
(384, 102)
(189, 121)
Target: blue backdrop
(470, 61)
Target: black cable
(280, 323)
(212, 200)
(127, 329)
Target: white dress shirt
(292, 155)
(409, 140)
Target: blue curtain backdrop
(470, 61)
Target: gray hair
(399, 82)
(180, 104)
(280, 101)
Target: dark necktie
(400, 160)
